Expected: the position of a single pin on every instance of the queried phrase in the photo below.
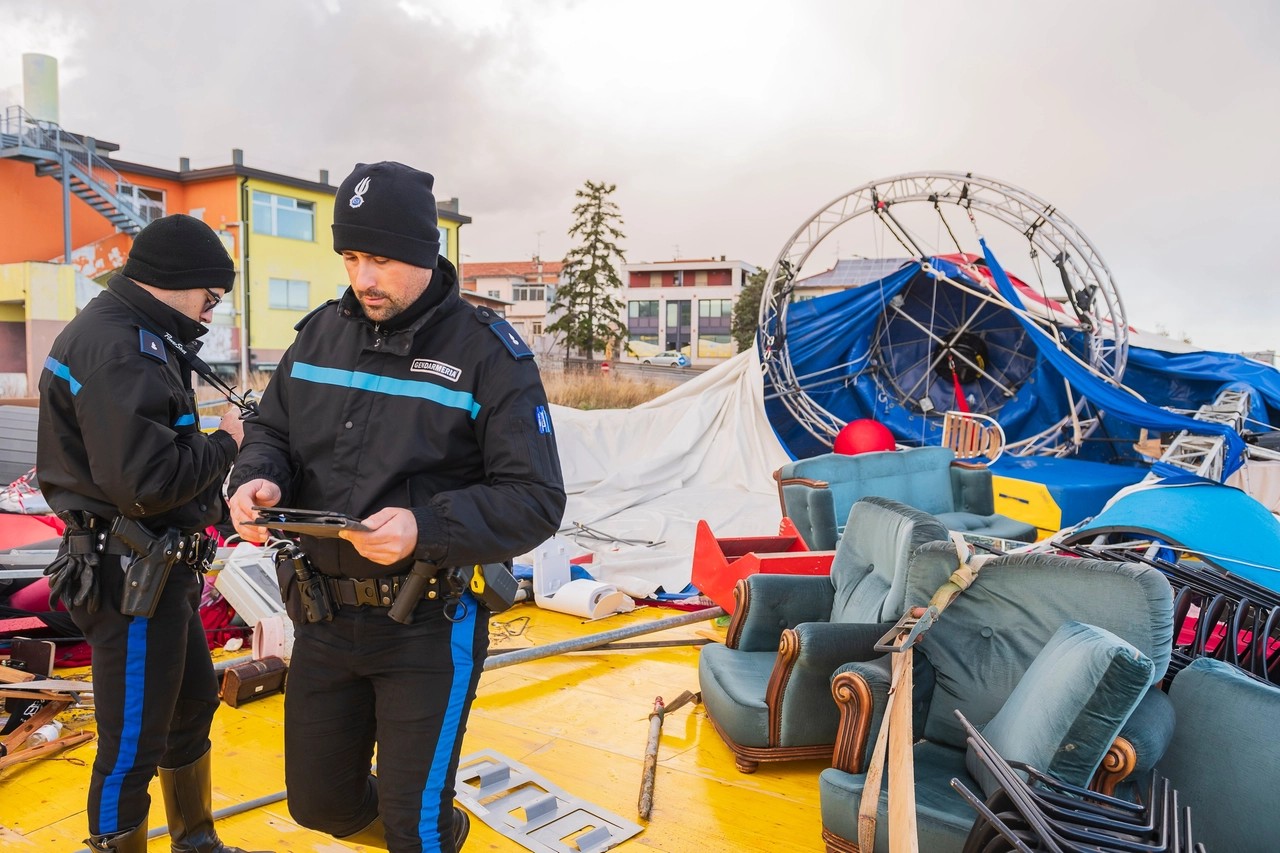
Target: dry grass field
(582, 390)
(576, 389)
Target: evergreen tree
(746, 313)
(590, 318)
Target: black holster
(316, 604)
(145, 575)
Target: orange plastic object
(718, 564)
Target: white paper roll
(586, 598)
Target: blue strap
(60, 370)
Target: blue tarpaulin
(831, 343)
(1221, 525)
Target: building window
(496, 294)
(528, 294)
(679, 324)
(288, 294)
(149, 204)
(444, 242)
(281, 216)
(343, 288)
(642, 328)
(718, 311)
(537, 328)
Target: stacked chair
(767, 690)
(1032, 811)
(817, 493)
(1060, 660)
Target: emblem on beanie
(361, 189)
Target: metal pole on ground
(591, 641)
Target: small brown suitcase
(253, 680)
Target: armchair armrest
(766, 605)
(801, 712)
(971, 489)
(861, 691)
(1141, 743)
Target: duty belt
(371, 592)
(99, 540)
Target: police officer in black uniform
(123, 462)
(402, 405)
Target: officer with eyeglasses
(124, 464)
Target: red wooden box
(718, 564)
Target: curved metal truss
(1090, 290)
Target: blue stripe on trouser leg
(135, 682)
(461, 643)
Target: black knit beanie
(387, 209)
(179, 252)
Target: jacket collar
(441, 294)
(155, 312)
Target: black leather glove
(73, 577)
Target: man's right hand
(232, 425)
(251, 494)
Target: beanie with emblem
(179, 252)
(387, 209)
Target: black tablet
(307, 521)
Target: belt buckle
(366, 591)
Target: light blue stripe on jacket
(385, 385)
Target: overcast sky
(725, 125)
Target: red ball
(863, 436)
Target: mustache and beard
(388, 309)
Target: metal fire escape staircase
(73, 161)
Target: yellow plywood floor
(581, 720)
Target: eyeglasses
(217, 300)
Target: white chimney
(40, 86)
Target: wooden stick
(18, 736)
(9, 675)
(902, 784)
(870, 802)
(645, 806)
(46, 748)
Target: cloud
(1151, 125)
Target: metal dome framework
(1091, 293)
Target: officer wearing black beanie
(401, 405)
(124, 464)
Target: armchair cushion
(1068, 707)
(1149, 730)
(733, 685)
(988, 637)
(943, 818)
(777, 602)
(999, 526)
(1224, 755)
(879, 540)
(971, 490)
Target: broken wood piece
(10, 675)
(46, 748)
(649, 774)
(16, 738)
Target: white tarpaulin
(704, 450)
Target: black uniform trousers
(364, 679)
(154, 692)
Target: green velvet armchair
(767, 689)
(972, 660)
(817, 493)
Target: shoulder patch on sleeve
(298, 326)
(151, 345)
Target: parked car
(670, 358)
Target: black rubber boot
(130, 841)
(188, 803)
(375, 835)
(461, 826)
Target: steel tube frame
(1045, 228)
